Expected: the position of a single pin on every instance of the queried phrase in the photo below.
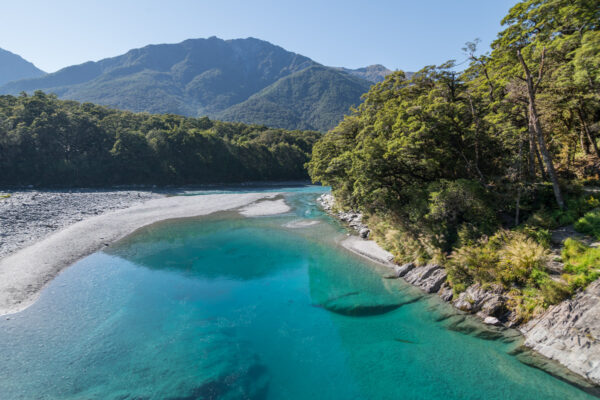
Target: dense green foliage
(314, 98)
(13, 67)
(582, 263)
(589, 224)
(207, 77)
(46, 141)
(444, 159)
(443, 152)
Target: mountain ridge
(14, 67)
(216, 78)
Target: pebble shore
(30, 215)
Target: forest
(49, 142)
(474, 165)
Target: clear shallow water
(257, 187)
(234, 308)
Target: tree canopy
(46, 141)
(450, 155)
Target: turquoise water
(249, 308)
(256, 188)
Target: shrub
(404, 246)
(542, 219)
(582, 264)
(589, 224)
(540, 235)
(554, 292)
(565, 217)
(526, 303)
(520, 257)
(475, 263)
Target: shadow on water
(351, 305)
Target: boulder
(326, 201)
(491, 321)
(429, 277)
(403, 269)
(446, 293)
(494, 306)
(489, 300)
(435, 281)
(364, 233)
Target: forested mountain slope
(212, 77)
(313, 98)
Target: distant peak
(14, 67)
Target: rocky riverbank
(27, 216)
(568, 333)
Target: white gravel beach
(368, 249)
(30, 215)
(58, 229)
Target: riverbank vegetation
(474, 168)
(46, 141)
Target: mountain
(315, 98)
(194, 77)
(14, 67)
(373, 73)
(246, 80)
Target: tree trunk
(583, 143)
(586, 129)
(531, 158)
(537, 128)
(539, 157)
(477, 130)
(519, 175)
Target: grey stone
(429, 277)
(491, 321)
(494, 306)
(569, 333)
(403, 269)
(446, 293)
(364, 233)
(489, 300)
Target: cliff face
(569, 333)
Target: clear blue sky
(396, 33)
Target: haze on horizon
(398, 34)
